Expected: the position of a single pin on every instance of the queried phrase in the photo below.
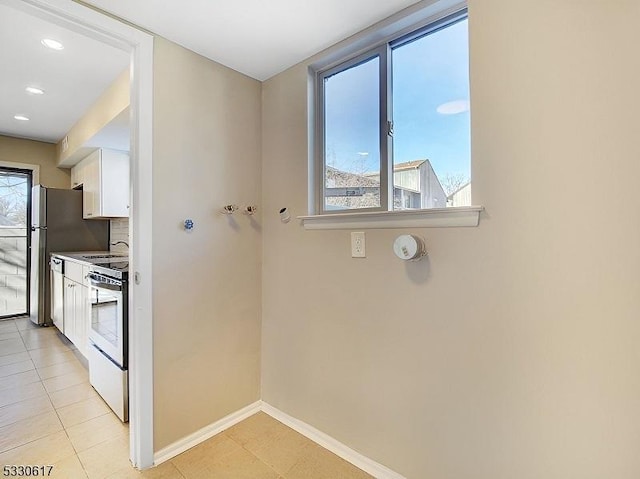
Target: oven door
(107, 317)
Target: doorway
(139, 45)
(15, 241)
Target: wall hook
(251, 210)
(229, 209)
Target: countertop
(81, 256)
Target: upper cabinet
(104, 177)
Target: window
(393, 130)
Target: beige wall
(513, 351)
(113, 101)
(206, 283)
(17, 150)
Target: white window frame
(376, 41)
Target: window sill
(460, 216)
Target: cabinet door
(76, 176)
(69, 308)
(81, 318)
(57, 300)
(91, 186)
(114, 182)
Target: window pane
(14, 205)
(431, 142)
(352, 137)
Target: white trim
(369, 466)
(205, 433)
(141, 258)
(82, 19)
(35, 169)
(456, 216)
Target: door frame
(97, 25)
(4, 167)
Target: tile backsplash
(119, 232)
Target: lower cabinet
(76, 313)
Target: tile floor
(50, 415)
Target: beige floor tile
(68, 468)
(82, 411)
(105, 459)
(14, 358)
(47, 357)
(61, 369)
(85, 435)
(45, 341)
(24, 409)
(18, 380)
(25, 323)
(257, 428)
(206, 455)
(282, 451)
(11, 346)
(15, 368)
(25, 391)
(318, 463)
(163, 471)
(8, 326)
(240, 464)
(47, 450)
(9, 335)
(30, 334)
(72, 395)
(27, 430)
(65, 381)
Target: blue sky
(429, 74)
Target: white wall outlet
(358, 245)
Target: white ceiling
(72, 78)
(256, 37)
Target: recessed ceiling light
(34, 90)
(21, 118)
(53, 44)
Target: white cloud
(453, 107)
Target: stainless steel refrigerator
(58, 227)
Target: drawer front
(73, 271)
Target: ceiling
(72, 79)
(256, 37)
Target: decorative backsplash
(119, 232)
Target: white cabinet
(104, 176)
(76, 305)
(77, 178)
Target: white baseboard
(367, 465)
(205, 433)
